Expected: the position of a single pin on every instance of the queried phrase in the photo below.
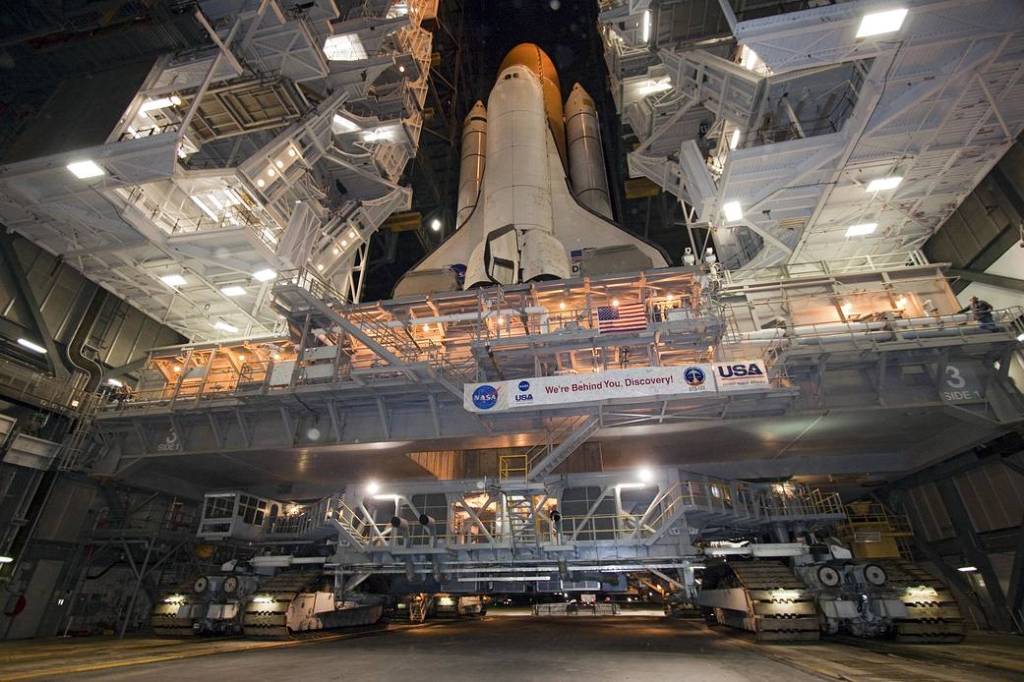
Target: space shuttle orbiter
(533, 191)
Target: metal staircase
(562, 441)
(522, 525)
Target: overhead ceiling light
(115, 383)
(6, 559)
(878, 23)
(732, 211)
(233, 291)
(225, 327)
(645, 28)
(645, 474)
(264, 275)
(344, 125)
(160, 103)
(967, 569)
(344, 48)
(882, 184)
(861, 229)
(435, 225)
(1020, 337)
(25, 343)
(651, 86)
(85, 169)
(372, 488)
(734, 141)
(173, 280)
(351, 234)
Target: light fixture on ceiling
(86, 169)
(372, 488)
(861, 229)
(344, 48)
(344, 243)
(6, 559)
(732, 211)
(233, 291)
(734, 140)
(225, 327)
(160, 103)
(884, 184)
(115, 383)
(651, 86)
(879, 23)
(173, 280)
(32, 346)
(645, 26)
(343, 125)
(967, 569)
(645, 474)
(352, 234)
(435, 225)
(264, 275)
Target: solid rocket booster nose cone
(478, 111)
(578, 95)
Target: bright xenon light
(233, 291)
(861, 229)
(732, 211)
(878, 23)
(173, 280)
(435, 225)
(264, 275)
(32, 346)
(85, 169)
(883, 184)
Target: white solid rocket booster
(471, 168)
(519, 220)
(586, 157)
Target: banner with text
(640, 382)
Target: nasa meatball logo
(694, 376)
(485, 397)
(524, 395)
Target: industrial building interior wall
(92, 563)
(119, 336)
(965, 515)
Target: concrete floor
(499, 649)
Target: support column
(974, 551)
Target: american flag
(627, 317)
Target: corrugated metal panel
(122, 333)
(993, 496)
(929, 514)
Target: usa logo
(694, 376)
(485, 397)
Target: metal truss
(274, 149)
(505, 529)
(391, 373)
(804, 116)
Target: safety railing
(790, 503)
(846, 265)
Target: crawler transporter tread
(935, 616)
(172, 614)
(764, 597)
(294, 605)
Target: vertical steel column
(970, 545)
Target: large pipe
(586, 157)
(474, 160)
